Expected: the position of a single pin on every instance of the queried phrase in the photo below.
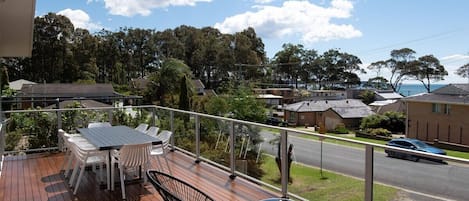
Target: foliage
(367, 96)
(463, 71)
(341, 129)
(403, 66)
(12, 139)
(377, 83)
(392, 121)
(429, 70)
(38, 127)
(379, 131)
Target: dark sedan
(413, 144)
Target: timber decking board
(36, 177)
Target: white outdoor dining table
(109, 138)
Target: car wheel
(414, 158)
(390, 154)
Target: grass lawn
(307, 183)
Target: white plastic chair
(67, 139)
(87, 154)
(160, 150)
(152, 131)
(142, 127)
(130, 156)
(99, 124)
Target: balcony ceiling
(16, 27)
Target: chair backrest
(135, 155)
(165, 136)
(142, 127)
(171, 188)
(152, 131)
(99, 124)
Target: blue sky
(369, 29)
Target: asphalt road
(444, 181)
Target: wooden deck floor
(38, 178)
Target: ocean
(412, 89)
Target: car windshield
(420, 144)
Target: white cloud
(143, 7)
(455, 58)
(80, 19)
(311, 21)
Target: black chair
(171, 188)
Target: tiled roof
(84, 103)
(439, 98)
(352, 112)
(67, 90)
(453, 89)
(323, 105)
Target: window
(447, 108)
(436, 108)
(302, 117)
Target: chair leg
(167, 164)
(66, 156)
(82, 169)
(121, 170)
(112, 175)
(74, 173)
(69, 164)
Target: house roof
(382, 103)
(83, 103)
(453, 89)
(323, 105)
(17, 84)
(269, 96)
(352, 112)
(68, 90)
(439, 98)
(388, 95)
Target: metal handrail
(284, 132)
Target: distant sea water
(412, 89)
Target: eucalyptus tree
(309, 64)
(51, 48)
(427, 70)
(85, 47)
(288, 61)
(463, 71)
(400, 65)
(338, 67)
(142, 47)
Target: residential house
(17, 84)
(43, 95)
(440, 115)
(288, 94)
(327, 94)
(328, 113)
(387, 101)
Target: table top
(106, 138)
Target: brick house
(328, 113)
(440, 115)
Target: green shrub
(340, 129)
(379, 131)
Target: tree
(377, 83)
(400, 65)
(367, 96)
(288, 60)
(429, 69)
(463, 71)
(184, 103)
(166, 79)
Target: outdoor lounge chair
(171, 188)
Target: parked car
(275, 122)
(414, 144)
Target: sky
(368, 29)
